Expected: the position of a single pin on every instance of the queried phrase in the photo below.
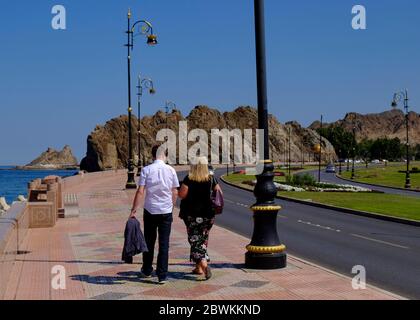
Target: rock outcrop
(107, 146)
(53, 159)
(3, 206)
(390, 124)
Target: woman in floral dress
(197, 213)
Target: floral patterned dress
(198, 230)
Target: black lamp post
(320, 150)
(145, 83)
(290, 153)
(348, 161)
(353, 175)
(265, 250)
(398, 97)
(285, 153)
(169, 106)
(146, 30)
(303, 155)
(339, 163)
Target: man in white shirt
(159, 185)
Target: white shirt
(159, 179)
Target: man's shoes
(144, 276)
(163, 281)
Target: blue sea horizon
(15, 182)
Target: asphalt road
(389, 251)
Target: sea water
(15, 182)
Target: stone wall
(14, 226)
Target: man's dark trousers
(155, 224)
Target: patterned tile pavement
(89, 249)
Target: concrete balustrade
(45, 201)
(14, 226)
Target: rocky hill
(390, 124)
(53, 159)
(107, 144)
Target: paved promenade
(89, 248)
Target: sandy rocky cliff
(53, 159)
(107, 144)
(390, 124)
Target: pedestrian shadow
(133, 276)
(129, 276)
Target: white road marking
(380, 241)
(248, 206)
(318, 226)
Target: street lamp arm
(399, 97)
(147, 31)
(147, 83)
(169, 105)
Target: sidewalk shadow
(75, 261)
(128, 276)
(133, 276)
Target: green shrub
(301, 180)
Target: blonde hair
(199, 171)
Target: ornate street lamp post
(169, 106)
(339, 163)
(290, 153)
(146, 30)
(348, 161)
(354, 148)
(320, 150)
(265, 250)
(303, 155)
(398, 97)
(145, 83)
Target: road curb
(344, 210)
(377, 185)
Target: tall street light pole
(339, 163)
(145, 83)
(303, 154)
(265, 250)
(348, 160)
(146, 30)
(320, 150)
(169, 106)
(398, 97)
(290, 153)
(353, 175)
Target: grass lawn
(386, 204)
(387, 176)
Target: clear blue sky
(55, 86)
